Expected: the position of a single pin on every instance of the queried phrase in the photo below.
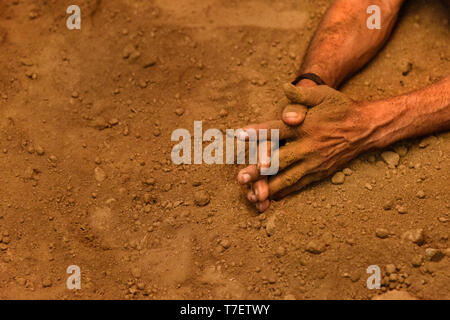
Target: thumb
(294, 114)
(309, 97)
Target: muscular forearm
(342, 43)
(411, 115)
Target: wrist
(383, 121)
(306, 83)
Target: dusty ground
(85, 124)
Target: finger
(252, 173)
(294, 114)
(251, 196)
(287, 177)
(263, 206)
(300, 184)
(261, 190)
(309, 97)
(253, 132)
(290, 153)
(248, 174)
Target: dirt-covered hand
(335, 130)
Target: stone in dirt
(179, 112)
(347, 171)
(338, 178)
(46, 282)
(368, 186)
(416, 236)
(401, 150)
(128, 50)
(226, 244)
(39, 150)
(388, 205)
(315, 247)
(382, 233)
(149, 62)
(201, 198)
(416, 261)
(99, 174)
(434, 255)
(390, 268)
(99, 123)
(427, 141)
(402, 210)
(391, 158)
(420, 194)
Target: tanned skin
(326, 129)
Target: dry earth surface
(87, 179)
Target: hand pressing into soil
(294, 112)
(335, 130)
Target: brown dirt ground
(138, 233)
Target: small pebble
(401, 150)
(388, 205)
(401, 210)
(434, 255)
(390, 268)
(40, 151)
(201, 198)
(381, 233)
(427, 141)
(179, 112)
(46, 282)
(99, 174)
(420, 194)
(347, 171)
(338, 178)
(416, 261)
(391, 158)
(225, 244)
(223, 113)
(315, 247)
(416, 236)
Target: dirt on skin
(87, 179)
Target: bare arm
(343, 44)
(411, 115)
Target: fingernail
(245, 178)
(252, 198)
(291, 115)
(256, 193)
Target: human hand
(334, 131)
